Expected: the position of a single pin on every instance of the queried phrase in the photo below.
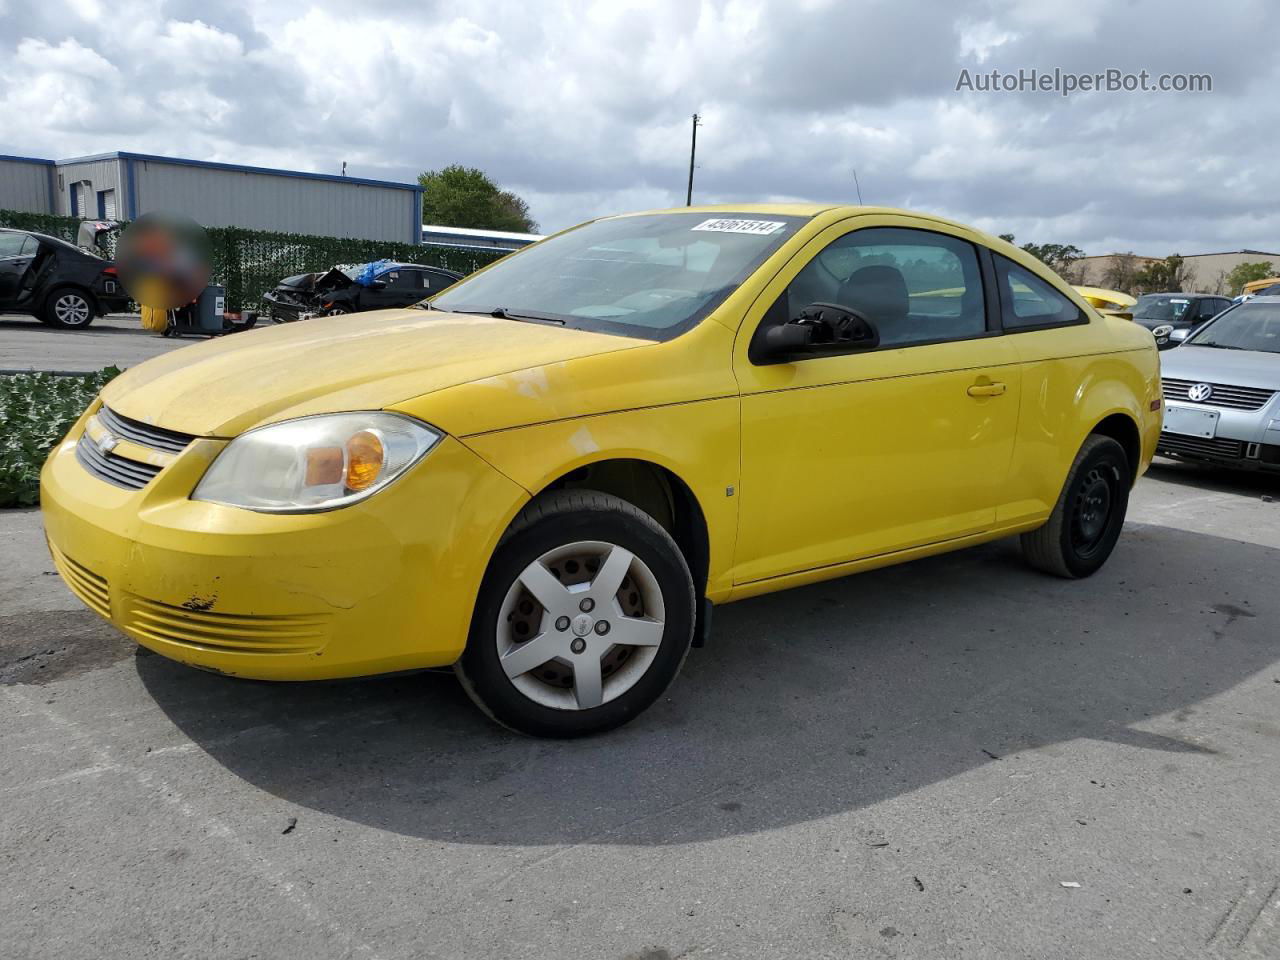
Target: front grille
(157, 438)
(226, 632)
(122, 472)
(84, 583)
(1216, 448)
(1224, 395)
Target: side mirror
(821, 328)
(377, 284)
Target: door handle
(986, 390)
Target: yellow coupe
(547, 475)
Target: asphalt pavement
(956, 758)
(118, 339)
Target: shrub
(36, 411)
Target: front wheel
(68, 309)
(1086, 521)
(584, 617)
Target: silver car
(1222, 389)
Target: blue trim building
(217, 194)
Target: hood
(364, 361)
(1240, 368)
(302, 281)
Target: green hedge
(36, 411)
(251, 262)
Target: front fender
(698, 442)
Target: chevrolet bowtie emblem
(106, 443)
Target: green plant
(36, 411)
(1244, 273)
(459, 196)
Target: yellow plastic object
(1102, 298)
(154, 320)
(799, 471)
(1254, 286)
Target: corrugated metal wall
(25, 185)
(264, 201)
(99, 175)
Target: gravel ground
(953, 758)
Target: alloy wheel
(580, 625)
(72, 309)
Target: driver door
(853, 455)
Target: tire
(68, 308)
(1086, 521)
(335, 311)
(528, 661)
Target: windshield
(651, 276)
(1160, 307)
(1249, 326)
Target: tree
(1121, 272)
(1246, 273)
(459, 196)
(1168, 275)
(1058, 257)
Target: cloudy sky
(584, 108)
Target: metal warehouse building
(27, 184)
(127, 185)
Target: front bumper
(1244, 439)
(386, 584)
(289, 306)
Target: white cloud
(583, 107)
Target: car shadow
(807, 703)
(1203, 476)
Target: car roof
(39, 236)
(838, 211)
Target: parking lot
(26, 344)
(957, 757)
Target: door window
(13, 244)
(1029, 303)
(914, 285)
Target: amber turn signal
(365, 457)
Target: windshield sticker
(1179, 301)
(760, 228)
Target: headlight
(315, 463)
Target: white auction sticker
(759, 227)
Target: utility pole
(693, 150)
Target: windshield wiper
(502, 313)
(1217, 346)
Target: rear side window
(1030, 303)
(13, 244)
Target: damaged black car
(61, 284)
(352, 288)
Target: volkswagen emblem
(106, 443)
(1199, 392)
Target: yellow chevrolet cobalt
(548, 475)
